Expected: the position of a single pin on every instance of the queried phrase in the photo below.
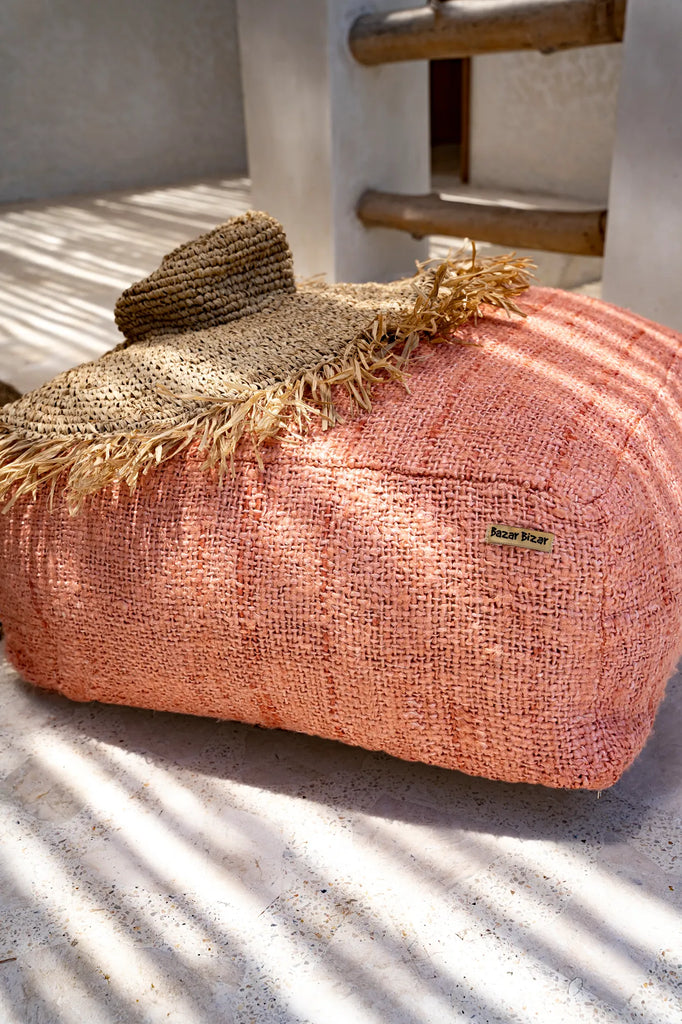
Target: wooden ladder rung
(465, 28)
(578, 232)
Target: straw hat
(221, 342)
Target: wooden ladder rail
(465, 28)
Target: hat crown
(233, 271)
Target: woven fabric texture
(233, 271)
(344, 588)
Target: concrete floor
(155, 867)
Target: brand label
(518, 537)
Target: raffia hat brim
(262, 359)
(165, 378)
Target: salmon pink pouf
(483, 572)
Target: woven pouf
(479, 567)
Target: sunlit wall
(117, 94)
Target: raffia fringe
(450, 293)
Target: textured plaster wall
(644, 239)
(117, 94)
(322, 129)
(545, 123)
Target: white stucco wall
(323, 128)
(643, 257)
(545, 123)
(116, 94)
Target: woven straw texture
(344, 587)
(231, 272)
(221, 344)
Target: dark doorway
(450, 92)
